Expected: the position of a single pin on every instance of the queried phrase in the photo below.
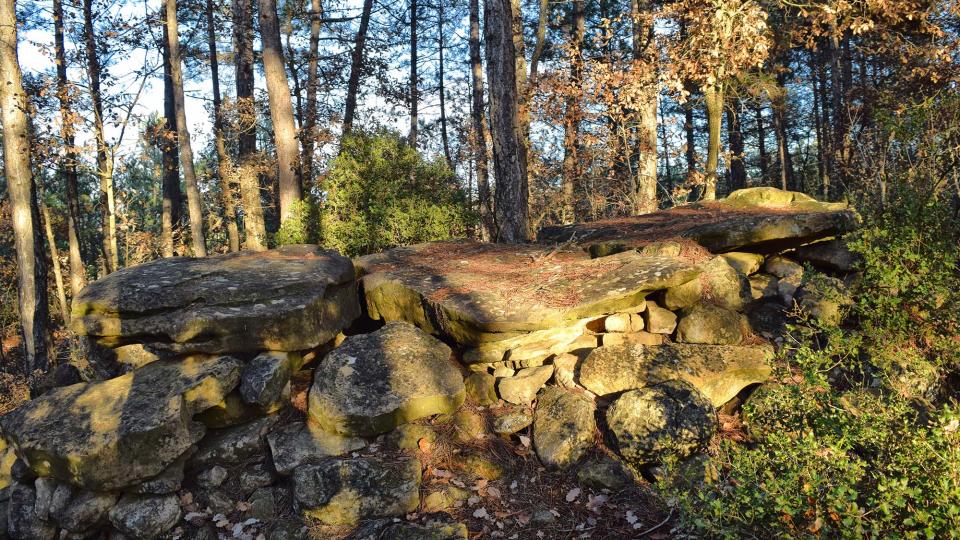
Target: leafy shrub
(382, 193)
(301, 226)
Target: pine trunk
(248, 173)
(356, 67)
(444, 136)
(172, 197)
(308, 135)
(573, 114)
(645, 189)
(781, 129)
(414, 92)
(224, 168)
(479, 124)
(55, 262)
(713, 96)
(738, 172)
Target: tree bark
(479, 124)
(713, 95)
(762, 145)
(254, 227)
(55, 261)
(308, 129)
(31, 270)
(541, 41)
(645, 189)
(194, 206)
(818, 125)
(281, 109)
(781, 129)
(509, 151)
(414, 92)
(738, 172)
(443, 104)
(356, 67)
(520, 73)
(573, 114)
(224, 167)
(668, 188)
(68, 163)
(104, 164)
(172, 197)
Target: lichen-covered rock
(745, 263)
(782, 267)
(604, 473)
(565, 369)
(719, 372)
(534, 345)
(720, 283)
(375, 382)
(22, 519)
(264, 377)
(512, 421)
(387, 529)
(669, 418)
(145, 516)
(478, 465)
(168, 481)
(829, 255)
(481, 388)
(7, 458)
(623, 322)
(288, 299)
(659, 320)
(563, 427)
(113, 434)
(345, 491)
(233, 445)
(297, 443)
(85, 512)
(824, 298)
(764, 286)
(411, 436)
(522, 388)
(633, 338)
(476, 293)
(709, 324)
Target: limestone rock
(116, 433)
(255, 476)
(345, 491)
(829, 255)
(168, 481)
(263, 379)
(512, 421)
(745, 263)
(294, 444)
(534, 345)
(481, 388)
(387, 529)
(720, 283)
(782, 267)
(522, 388)
(375, 382)
(565, 369)
(409, 436)
(823, 298)
(212, 477)
(288, 299)
(659, 320)
(443, 498)
(22, 519)
(623, 322)
(764, 286)
(233, 410)
(633, 338)
(719, 372)
(604, 473)
(233, 445)
(478, 465)
(667, 418)
(86, 511)
(263, 504)
(477, 293)
(709, 324)
(7, 459)
(563, 427)
(145, 516)
(468, 425)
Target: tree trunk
(172, 197)
(31, 270)
(308, 129)
(762, 145)
(281, 109)
(781, 129)
(479, 124)
(356, 67)
(443, 104)
(836, 98)
(55, 260)
(194, 206)
(818, 125)
(541, 42)
(666, 152)
(713, 95)
(414, 93)
(224, 167)
(104, 163)
(573, 114)
(68, 163)
(738, 172)
(645, 189)
(509, 151)
(248, 173)
(520, 73)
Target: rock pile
(242, 394)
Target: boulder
(824, 298)
(719, 283)
(145, 516)
(375, 382)
(782, 267)
(233, 445)
(289, 299)
(563, 427)
(719, 372)
(85, 512)
(764, 286)
(745, 263)
(345, 491)
(512, 421)
(604, 473)
(669, 418)
(477, 293)
(659, 320)
(294, 444)
(522, 388)
(113, 434)
(830, 255)
(481, 388)
(264, 378)
(21, 515)
(709, 324)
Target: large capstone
(563, 427)
(113, 434)
(719, 372)
(345, 491)
(477, 294)
(670, 418)
(374, 382)
(288, 299)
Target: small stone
(522, 388)
(563, 427)
(633, 338)
(782, 267)
(168, 481)
(86, 511)
(263, 379)
(21, 472)
(478, 466)
(659, 320)
(504, 371)
(667, 418)
(294, 444)
(481, 388)
(254, 477)
(763, 286)
(22, 519)
(516, 419)
(263, 504)
(604, 473)
(444, 498)
(542, 516)
(565, 369)
(212, 477)
(468, 425)
(709, 324)
(824, 298)
(145, 516)
(288, 529)
(388, 529)
(618, 322)
(832, 255)
(345, 491)
(408, 436)
(217, 501)
(45, 488)
(235, 444)
(233, 410)
(745, 263)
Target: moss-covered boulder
(563, 427)
(374, 382)
(710, 324)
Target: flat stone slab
(288, 299)
(475, 292)
(753, 220)
(113, 434)
(719, 372)
(374, 382)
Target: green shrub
(301, 226)
(382, 193)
